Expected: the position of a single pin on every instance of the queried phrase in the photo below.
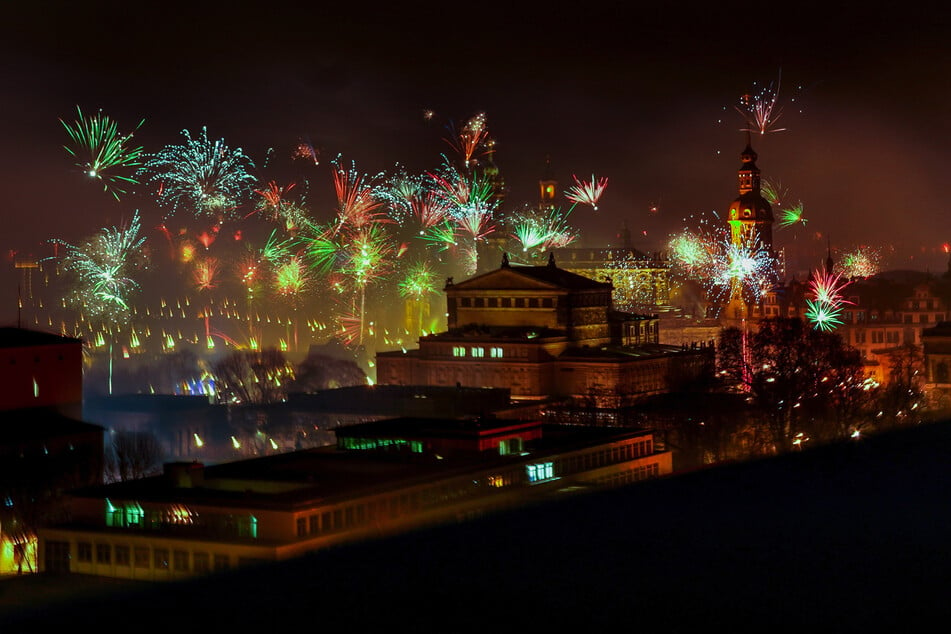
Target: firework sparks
(691, 251)
(746, 268)
(864, 261)
(103, 266)
(204, 176)
(103, 149)
(472, 136)
(761, 111)
(584, 193)
(206, 274)
(419, 282)
(826, 301)
(307, 152)
(774, 192)
(790, 216)
(357, 204)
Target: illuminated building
(381, 478)
(543, 332)
(640, 280)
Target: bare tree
(133, 455)
(253, 376)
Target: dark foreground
(848, 538)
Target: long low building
(381, 478)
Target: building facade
(381, 478)
(543, 332)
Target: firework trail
(206, 177)
(584, 193)
(103, 149)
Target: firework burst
(470, 139)
(206, 177)
(103, 266)
(357, 202)
(100, 149)
(584, 193)
(790, 216)
(825, 302)
(761, 110)
(863, 261)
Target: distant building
(544, 332)
(880, 314)
(380, 478)
(937, 352)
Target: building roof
(623, 353)
(301, 478)
(11, 337)
(509, 276)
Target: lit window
(540, 472)
(458, 351)
(495, 353)
(478, 352)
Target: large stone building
(544, 332)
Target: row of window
(506, 302)
(368, 513)
(477, 352)
(151, 558)
(631, 475)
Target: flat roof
(11, 337)
(303, 478)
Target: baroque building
(544, 333)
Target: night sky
(644, 96)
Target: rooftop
(301, 477)
(11, 337)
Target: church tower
(751, 226)
(750, 216)
(547, 187)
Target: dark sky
(641, 95)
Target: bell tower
(750, 215)
(751, 229)
(547, 187)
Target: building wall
(42, 376)
(164, 551)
